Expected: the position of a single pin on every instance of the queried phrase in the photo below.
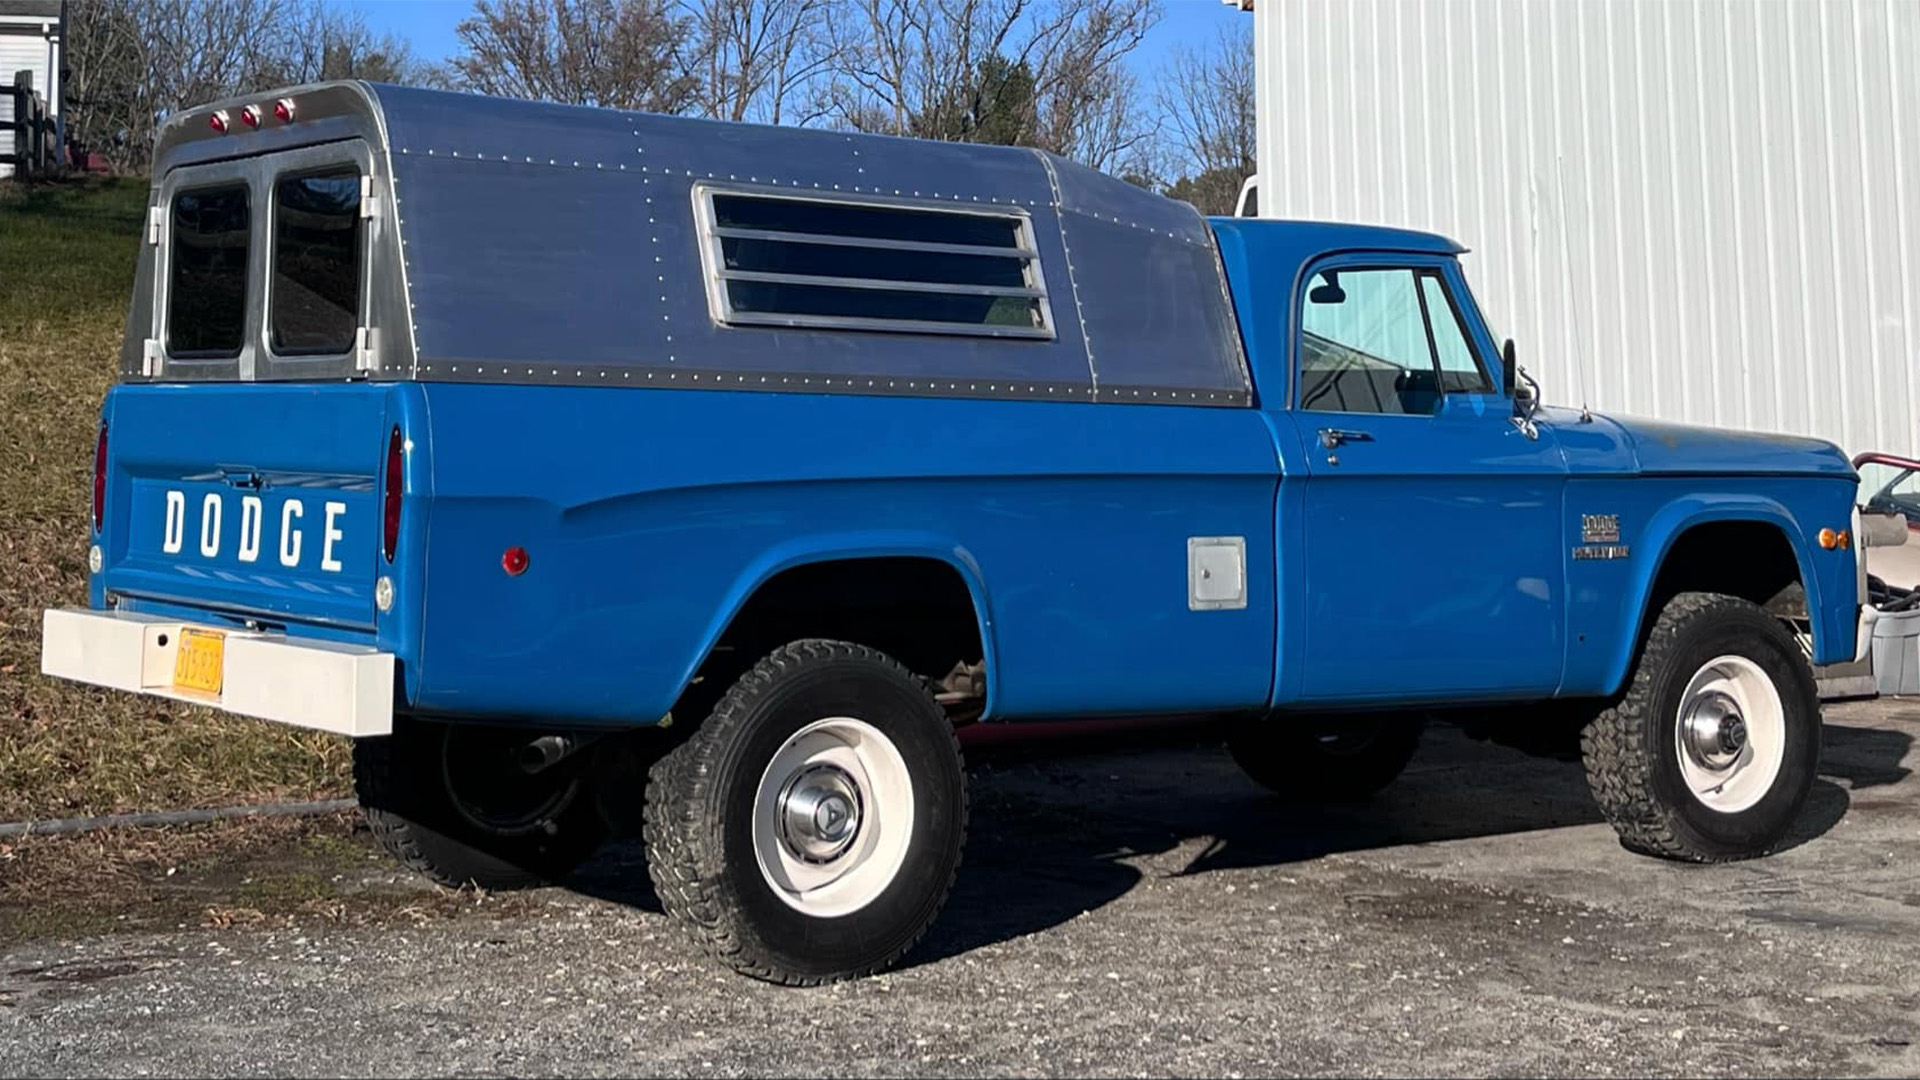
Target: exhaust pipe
(547, 751)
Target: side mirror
(1520, 387)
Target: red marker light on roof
(218, 121)
(250, 116)
(283, 110)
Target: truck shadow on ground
(1052, 839)
(1067, 827)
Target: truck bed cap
(558, 244)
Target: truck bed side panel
(651, 516)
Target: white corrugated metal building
(30, 42)
(1703, 210)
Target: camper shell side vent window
(866, 264)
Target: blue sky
(428, 24)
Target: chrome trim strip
(905, 326)
(732, 232)
(879, 284)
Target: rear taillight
(100, 479)
(390, 525)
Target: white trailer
(1702, 210)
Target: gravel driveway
(1120, 912)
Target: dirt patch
(260, 873)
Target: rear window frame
(261, 174)
(362, 281)
(720, 303)
(207, 357)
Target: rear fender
(840, 547)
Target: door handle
(1332, 438)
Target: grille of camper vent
(779, 260)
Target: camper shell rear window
(314, 303)
(207, 287)
(814, 261)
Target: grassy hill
(66, 268)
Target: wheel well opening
(917, 610)
(1749, 559)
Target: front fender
(839, 547)
(1656, 542)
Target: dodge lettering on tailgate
(212, 536)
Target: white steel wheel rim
(1731, 734)
(832, 817)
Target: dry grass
(66, 269)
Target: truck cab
(595, 470)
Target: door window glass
(1363, 344)
(207, 282)
(1384, 340)
(1460, 370)
(316, 263)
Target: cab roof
(1326, 237)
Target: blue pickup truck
(579, 461)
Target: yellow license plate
(200, 662)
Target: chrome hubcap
(819, 813)
(832, 817)
(1715, 731)
(1731, 736)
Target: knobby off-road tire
(749, 839)
(410, 786)
(1711, 663)
(1326, 759)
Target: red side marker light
(283, 110)
(393, 482)
(250, 116)
(218, 121)
(100, 479)
(514, 562)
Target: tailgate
(257, 500)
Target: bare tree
(1205, 98)
(1109, 128)
(623, 54)
(335, 43)
(1043, 73)
(104, 56)
(756, 58)
(130, 64)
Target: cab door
(1433, 555)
